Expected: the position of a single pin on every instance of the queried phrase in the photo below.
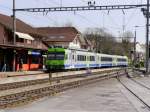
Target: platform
(25, 76)
(104, 96)
(21, 73)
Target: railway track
(137, 94)
(141, 84)
(45, 80)
(16, 97)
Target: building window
(24, 58)
(35, 60)
(19, 39)
(29, 42)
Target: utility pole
(123, 22)
(14, 35)
(134, 61)
(14, 22)
(60, 3)
(96, 44)
(147, 38)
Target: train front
(55, 59)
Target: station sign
(35, 53)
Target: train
(61, 58)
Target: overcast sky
(112, 22)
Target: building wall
(19, 49)
(60, 44)
(2, 33)
(76, 43)
(30, 61)
(140, 48)
(6, 38)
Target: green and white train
(60, 58)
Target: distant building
(140, 52)
(65, 37)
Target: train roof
(84, 50)
(79, 49)
(56, 50)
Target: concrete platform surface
(104, 96)
(12, 74)
(25, 76)
(22, 78)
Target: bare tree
(127, 45)
(101, 39)
(105, 42)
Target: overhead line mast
(81, 8)
(147, 38)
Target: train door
(67, 59)
(73, 58)
(114, 61)
(96, 60)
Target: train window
(84, 58)
(81, 58)
(92, 58)
(56, 56)
(60, 55)
(51, 56)
(121, 60)
(106, 59)
(73, 57)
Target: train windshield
(56, 56)
(60, 56)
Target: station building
(28, 49)
(32, 43)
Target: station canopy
(24, 36)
